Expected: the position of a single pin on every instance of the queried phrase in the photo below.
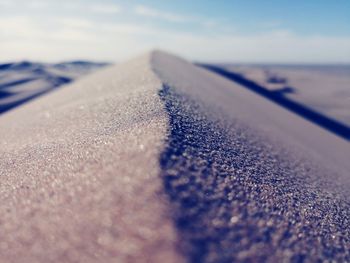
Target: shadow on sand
(35, 79)
(51, 82)
(278, 97)
(234, 198)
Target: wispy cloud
(83, 32)
(150, 12)
(155, 13)
(26, 37)
(74, 22)
(271, 24)
(62, 5)
(18, 27)
(275, 47)
(38, 4)
(5, 3)
(105, 8)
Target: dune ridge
(157, 160)
(23, 81)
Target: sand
(80, 175)
(24, 81)
(157, 160)
(323, 88)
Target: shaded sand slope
(157, 160)
(249, 181)
(240, 104)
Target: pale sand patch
(79, 173)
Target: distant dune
(324, 88)
(23, 81)
(159, 160)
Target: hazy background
(312, 31)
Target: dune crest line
(159, 160)
(240, 193)
(79, 172)
(237, 198)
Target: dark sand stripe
(238, 197)
(325, 122)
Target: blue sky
(215, 31)
(305, 17)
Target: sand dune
(157, 160)
(21, 82)
(323, 88)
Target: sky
(227, 31)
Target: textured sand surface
(249, 181)
(80, 176)
(157, 160)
